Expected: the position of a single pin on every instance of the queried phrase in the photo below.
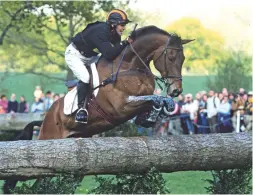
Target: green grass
(187, 182)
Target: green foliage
(234, 181)
(205, 51)
(46, 31)
(15, 17)
(58, 185)
(233, 71)
(151, 182)
(8, 135)
(125, 130)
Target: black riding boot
(82, 114)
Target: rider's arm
(109, 51)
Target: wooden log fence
(114, 155)
(17, 121)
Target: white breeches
(77, 63)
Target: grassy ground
(187, 182)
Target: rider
(104, 36)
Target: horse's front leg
(162, 106)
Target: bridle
(165, 51)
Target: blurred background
(34, 35)
(217, 68)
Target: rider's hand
(129, 40)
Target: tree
(207, 48)
(56, 23)
(14, 17)
(233, 71)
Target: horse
(111, 107)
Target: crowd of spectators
(42, 102)
(212, 112)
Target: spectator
(202, 93)
(212, 105)
(189, 110)
(48, 101)
(224, 118)
(181, 101)
(242, 122)
(56, 97)
(248, 111)
(12, 104)
(249, 103)
(174, 126)
(37, 106)
(2, 111)
(23, 106)
(4, 104)
(220, 96)
(224, 92)
(202, 116)
(238, 102)
(231, 98)
(241, 92)
(38, 92)
(196, 103)
(197, 99)
(245, 97)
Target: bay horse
(134, 79)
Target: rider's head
(118, 20)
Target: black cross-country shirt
(99, 35)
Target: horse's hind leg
(9, 185)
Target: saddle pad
(70, 99)
(70, 102)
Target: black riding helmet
(117, 16)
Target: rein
(113, 78)
(163, 80)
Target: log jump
(17, 121)
(112, 155)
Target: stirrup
(83, 116)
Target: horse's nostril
(176, 92)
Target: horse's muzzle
(176, 92)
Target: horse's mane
(148, 30)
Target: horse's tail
(26, 134)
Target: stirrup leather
(85, 116)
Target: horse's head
(168, 59)
(166, 51)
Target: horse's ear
(185, 41)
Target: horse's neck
(144, 53)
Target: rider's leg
(77, 63)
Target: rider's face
(120, 29)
